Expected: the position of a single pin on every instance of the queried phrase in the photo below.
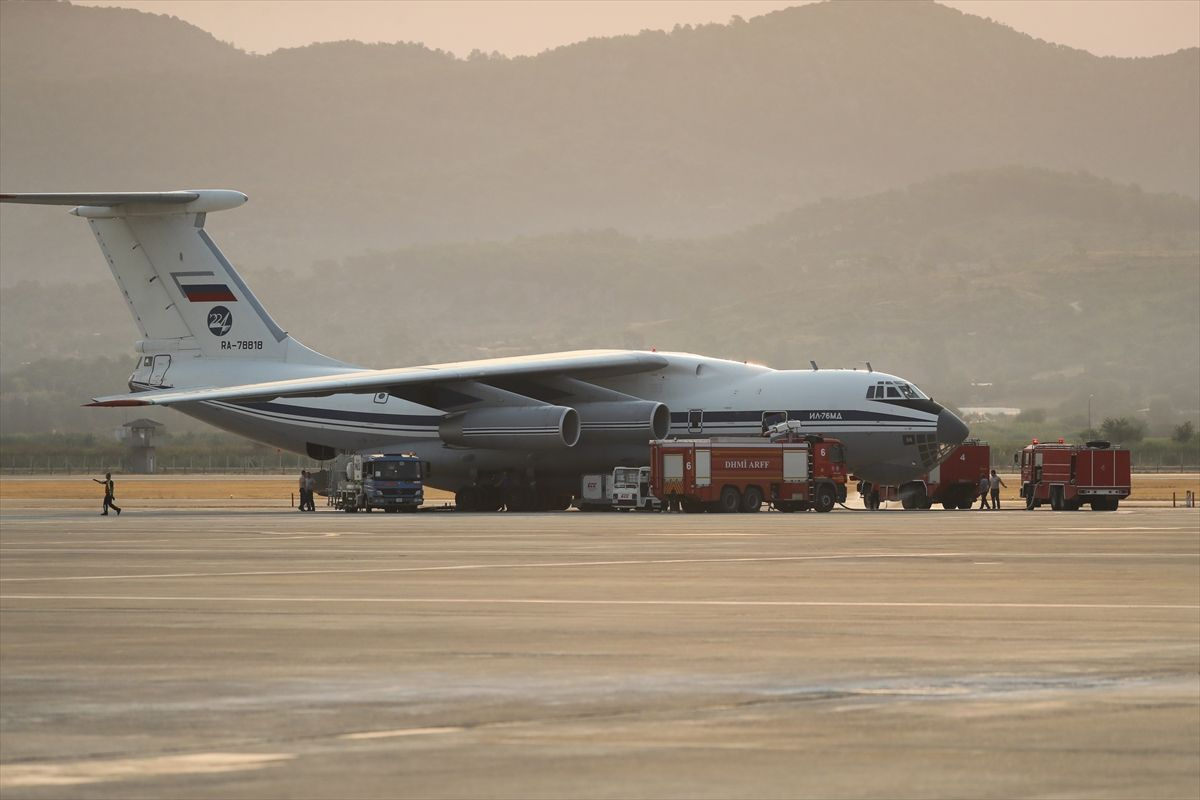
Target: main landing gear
(511, 498)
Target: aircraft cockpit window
(893, 391)
(147, 361)
(871, 392)
(907, 391)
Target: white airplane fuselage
(886, 443)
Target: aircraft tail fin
(183, 293)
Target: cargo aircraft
(512, 433)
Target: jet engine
(512, 428)
(617, 421)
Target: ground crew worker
(108, 485)
(984, 486)
(303, 490)
(310, 485)
(996, 483)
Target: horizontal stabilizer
(120, 204)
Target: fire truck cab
(1066, 475)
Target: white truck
(626, 488)
(631, 490)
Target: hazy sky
(526, 27)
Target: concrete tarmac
(269, 654)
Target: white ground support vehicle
(631, 490)
(595, 493)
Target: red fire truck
(954, 483)
(1069, 475)
(729, 474)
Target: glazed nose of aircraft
(950, 429)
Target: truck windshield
(625, 477)
(396, 470)
(836, 454)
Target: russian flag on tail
(196, 289)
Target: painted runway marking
(567, 602)
(399, 732)
(453, 567)
(67, 773)
(557, 564)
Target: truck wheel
(825, 498)
(918, 498)
(731, 500)
(752, 499)
(1056, 498)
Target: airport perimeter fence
(292, 464)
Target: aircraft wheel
(731, 500)
(752, 499)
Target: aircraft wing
(404, 381)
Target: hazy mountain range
(347, 147)
(1004, 220)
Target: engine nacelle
(512, 428)
(623, 421)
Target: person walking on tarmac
(995, 484)
(984, 485)
(108, 485)
(303, 490)
(310, 487)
